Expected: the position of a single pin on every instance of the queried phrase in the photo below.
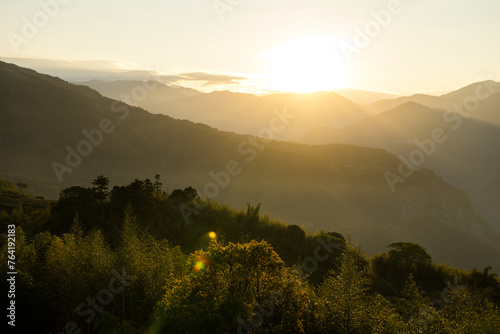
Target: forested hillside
(127, 260)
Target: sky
(401, 47)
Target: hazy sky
(421, 46)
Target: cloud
(108, 70)
(212, 79)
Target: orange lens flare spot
(199, 265)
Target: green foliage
(253, 211)
(150, 261)
(211, 275)
(392, 269)
(469, 313)
(234, 286)
(409, 255)
(186, 195)
(346, 306)
(416, 310)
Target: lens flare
(199, 265)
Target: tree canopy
(130, 263)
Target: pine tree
(157, 185)
(101, 187)
(344, 294)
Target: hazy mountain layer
(444, 102)
(236, 112)
(462, 146)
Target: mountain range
(223, 109)
(468, 159)
(55, 134)
(468, 156)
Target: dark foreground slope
(53, 131)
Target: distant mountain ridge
(468, 157)
(364, 96)
(445, 101)
(237, 112)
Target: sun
(306, 64)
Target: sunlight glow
(307, 64)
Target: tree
(234, 288)
(293, 239)
(469, 313)
(148, 186)
(185, 195)
(253, 211)
(75, 264)
(343, 295)
(191, 193)
(157, 185)
(408, 258)
(149, 261)
(100, 188)
(415, 308)
(409, 254)
(72, 200)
